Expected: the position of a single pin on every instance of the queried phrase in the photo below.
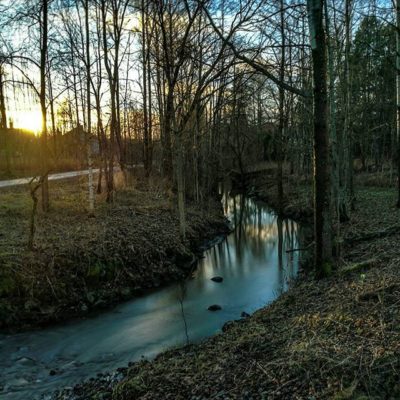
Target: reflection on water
(254, 254)
(255, 268)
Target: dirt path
(52, 177)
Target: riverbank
(334, 338)
(81, 263)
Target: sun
(30, 120)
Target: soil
(82, 262)
(335, 338)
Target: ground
(81, 262)
(336, 338)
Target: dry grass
(338, 338)
(81, 261)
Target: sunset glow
(30, 120)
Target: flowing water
(255, 268)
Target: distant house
(13, 141)
(74, 142)
(17, 148)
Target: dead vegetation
(338, 338)
(79, 262)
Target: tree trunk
(322, 178)
(348, 161)
(146, 144)
(89, 116)
(281, 127)
(150, 113)
(3, 114)
(109, 170)
(167, 125)
(181, 186)
(398, 94)
(332, 113)
(43, 62)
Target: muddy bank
(334, 338)
(82, 263)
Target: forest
(199, 199)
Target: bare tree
(42, 96)
(322, 199)
(397, 8)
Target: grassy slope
(337, 338)
(81, 262)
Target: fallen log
(351, 239)
(357, 267)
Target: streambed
(254, 265)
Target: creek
(253, 262)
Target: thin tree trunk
(398, 95)
(150, 112)
(348, 161)
(52, 113)
(167, 151)
(181, 187)
(110, 167)
(43, 62)
(281, 127)
(3, 113)
(146, 149)
(89, 116)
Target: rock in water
(217, 279)
(26, 361)
(244, 314)
(214, 307)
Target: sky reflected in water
(255, 268)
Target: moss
(7, 285)
(327, 269)
(324, 271)
(103, 270)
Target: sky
(22, 103)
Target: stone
(244, 314)
(214, 307)
(217, 279)
(90, 297)
(84, 308)
(126, 292)
(26, 361)
(57, 371)
(18, 382)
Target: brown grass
(81, 261)
(337, 338)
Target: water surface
(255, 268)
